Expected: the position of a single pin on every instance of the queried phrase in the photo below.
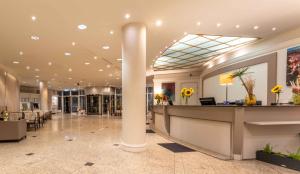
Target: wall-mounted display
(293, 65)
(168, 90)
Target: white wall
(212, 88)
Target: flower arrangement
(296, 92)
(248, 84)
(277, 90)
(158, 98)
(186, 93)
(4, 115)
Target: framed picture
(168, 89)
(293, 65)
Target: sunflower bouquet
(158, 98)
(186, 93)
(277, 90)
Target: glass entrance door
(106, 105)
(93, 104)
(67, 105)
(74, 104)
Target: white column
(44, 96)
(133, 87)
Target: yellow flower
(276, 89)
(182, 93)
(189, 92)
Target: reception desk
(230, 132)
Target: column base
(133, 147)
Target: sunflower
(189, 92)
(182, 93)
(276, 89)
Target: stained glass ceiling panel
(192, 49)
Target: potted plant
(158, 98)
(4, 115)
(248, 84)
(291, 161)
(296, 92)
(186, 93)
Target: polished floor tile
(66, 144)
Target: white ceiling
(57, 21)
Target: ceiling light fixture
(274, 29)
(37, 76)
(108, 66)
(70, 70)
(70, 78)
(28, 67)
(100, 70)
(95, 57)
(111, 32)
(36, 69)
(67, 54)
(35, 38)
(50, 63)
(185, 33)
(16, 62)
(219, 24)
(87, 63)
(120, 59)
(21, 53)
(82, 27)
(198, 23)
(255, 27)
(110, 75)
(127, 16)
(237, 26)
(105, 47)
(33, 18)
(73, 43)
(158, 23)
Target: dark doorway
(93, 104)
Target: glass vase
(296, 99)
(250, 100)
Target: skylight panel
(188, 37)
(179, 46)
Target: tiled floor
(94, 149)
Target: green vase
(296, 99)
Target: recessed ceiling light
(37, 76)
(120, 59)
(82, 27)
(36, 69)
(110, 75)
(67, 54)
(95, 57)
(73, 43)
(255, 27)
(33, 18)
(21, 53)
(111, 32)
(274, 29)
(16, 62)
(108, 66)
(198, 23)
(219, 24)
(127, 16)
(105, 47)
(28, 67)
(158, 23)
(185, 33)
(100, 70)
(174, 40)
(70, 69)
(87, 63)
(35, 38)
(70, 78)
(50, 63)
(237, 26)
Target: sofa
(13, 130)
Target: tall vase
(250, 100)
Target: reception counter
(230, 132)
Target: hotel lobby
(154, 87)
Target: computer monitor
(207, 101)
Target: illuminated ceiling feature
(194, 50)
